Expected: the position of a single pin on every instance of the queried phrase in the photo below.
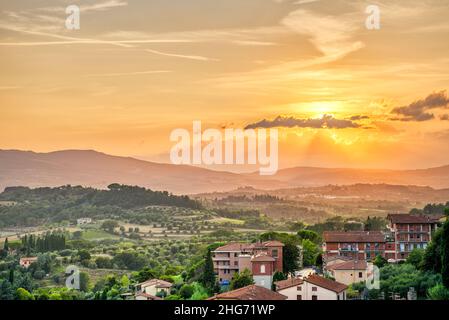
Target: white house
(349, 272)
(313, 287)
(153, 287)
(82, 221)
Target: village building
(146, 296)
(409, 232)
(313, 287)
(153, 287)
(252, 292)
(263, 259)
(349, 272)
(27, 261)
(357, 245)
(83, 221)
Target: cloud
(358, 117)
(198, 58)
(419, 110)
(326, 121)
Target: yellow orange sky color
(138, 69)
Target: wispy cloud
(182, 56)
(137, 73)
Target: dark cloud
(327, 121)
(358, 117)
(419, 110)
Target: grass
(222, 220)
(93, 234)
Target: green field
(93, 234)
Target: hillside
(95, 169)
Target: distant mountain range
(91, 168)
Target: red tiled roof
(353, 236)
(235, 246)
(263, 257)
(156, 282)
(284, 284)
(349, 265)
(409, 218)
(148, 296)
(273, 243)
(251, 292)
(326, 283)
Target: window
(314, 289)
(262, 268)
(314, 297)
(274, 253)
(299, 297)
(236, 255)
(360, 274)
(299, 288)
(236, 263)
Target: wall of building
(349, 276)
(263, 281)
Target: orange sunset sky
(345, 96)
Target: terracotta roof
(328, 258)
(263, 257)
(326, 283)
(353, 236)
(251, 292)
(350, 265)
(156, 282)
(235, 246)
(284, 284)
(148, 296)
(408, 218)
(273, 243)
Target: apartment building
(357, 245)
(263, 259)
(409, 232)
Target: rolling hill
(92, 168)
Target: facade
(313, 287)
(27, 261)
(252, 292)
(357, 245)
(349, 272)
(262, 259)
(153, 287)
(146, 297)
(409, 232)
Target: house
(83, 221)
(289, 288)
(329, 261)
(357, 245)
(146, 296)
(316, 287)
(252, 292)
(263, 259)
(349, 272)
(27, 261)
(153, 287)
(409, 232)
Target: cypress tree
(208, 279)
(6, 245)
(445, 255)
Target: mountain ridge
(98, 169)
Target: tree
(23, 294)
(208, 279)
(186, 291)
(84, 255)
(445, 256)
(310, 252)
(438, 292)
(241, 279)
(6, 245)
(309, 235)
(380, 261)
(416, 258)
(84, 282)
(109, 225)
